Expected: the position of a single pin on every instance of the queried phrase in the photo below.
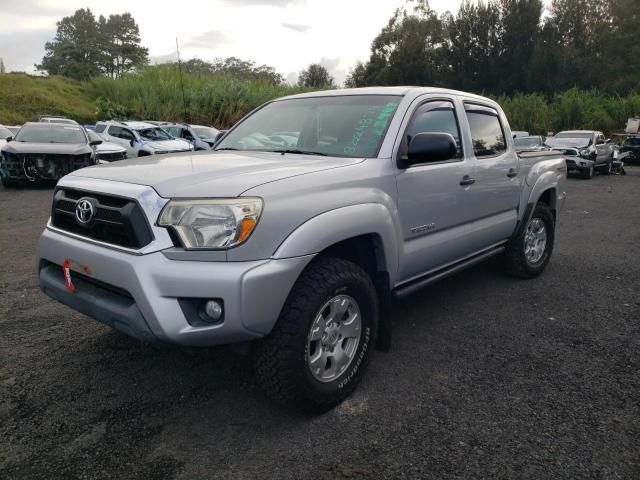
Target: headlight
(214, 224)
(585, 153)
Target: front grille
(112, 156)
(43, 166)
(117, 221)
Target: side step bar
(433, 277)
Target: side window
(436, 116)
(186, 134)
(487, 133)
(100, 128)
(600, 140)
(114, 131)
(173, 131)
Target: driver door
(434, 199)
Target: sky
(285, 34)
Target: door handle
(512, 173)
(467, 180)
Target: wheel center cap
(332, 338)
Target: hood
(108, 147)
(568, 142)
(169, 145)
(217, 174)
(47, 148)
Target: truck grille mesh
(117, 221)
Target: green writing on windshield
(369, 129)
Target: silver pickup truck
(293, 237)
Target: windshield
(343, 126)
(206, 132)
(585, 135)
(635, 141)
(5, 132)
(154, 133)
(51, 133)
(527, 141)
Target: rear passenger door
(122, 137)
(496, 191)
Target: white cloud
(286, 34)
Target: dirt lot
(488, 377)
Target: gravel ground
(489, 377)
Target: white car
(4, 134)
(106, 151)
(140, 138)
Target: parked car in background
(519, 133)
(531, 143)
(631, 146)
(299, 246)
(200, 136)
(141, 138)
(46, 151)
(4, 134)
(585, 151)
(53, 119)
(107, 151)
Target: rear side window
(437, 116)
(487, 133)
(120, 132)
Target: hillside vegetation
(220, 99)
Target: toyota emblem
(84, 211)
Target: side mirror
(429, 147)
(219, 135)
(515, 136)
(8, 139)
(608, 140)
(93, 143)
(132, 142)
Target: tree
(315, 76)
(74, 52)
(84, 47)
(2, 69)
(120, 44)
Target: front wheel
(527, 255)
(587, 173)
(318, 350)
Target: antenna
(184, 103)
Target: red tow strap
(67, 275)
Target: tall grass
(213, 99)
(572, 109)
(220, 100)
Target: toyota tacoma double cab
(293, 237)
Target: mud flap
(383, 339)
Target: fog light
(213, 309)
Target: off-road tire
(280, 359)
(513, 261)
(9, 182)
(606, 169)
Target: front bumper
(139, 294)
(578, 163)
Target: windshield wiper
(226, 148)
(301, 152)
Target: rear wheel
(318, 350)
(527, 255)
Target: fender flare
(320, 232)
(546, 181)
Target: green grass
(220, 100)
(23, 97)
